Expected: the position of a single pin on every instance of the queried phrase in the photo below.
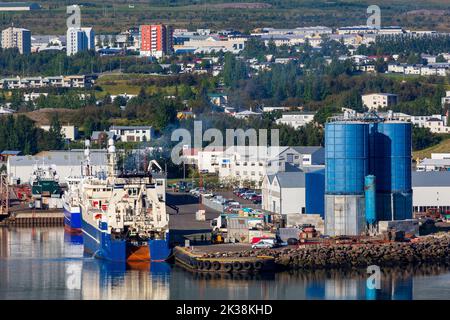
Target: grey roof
(58, 158)
(270, 177)
(299, 113)
(308, 149)
(10, 152)
(435, 162)
(431, 179)
(291, 179)
(291, 168)
(129, 127)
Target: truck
(220, 223)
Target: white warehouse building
(67, 163)
(431, 190)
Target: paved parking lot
(243, 202)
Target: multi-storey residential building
(437, 125)
(240, 165)
(76, 81)
(17, 38)
(156, 40)
(432, 69)
(413, 69)
(421, 121)
(132, 133)
(296, 119)
(80, 39)
(376, 101)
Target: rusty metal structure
(4, 194)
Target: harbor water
(47, 263)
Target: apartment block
(80, 39)
(156, 40)
(376, 101)
(17, 38)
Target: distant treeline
(407, 44)
(20, 133)
(52, 63)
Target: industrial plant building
(66, 163)
(431, 191)
(367, 173)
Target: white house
(413, 69)
(437, 125)
(376, 101)
(247, 114)
(33, 96)
(270, 109)
(5, 110)
(446, 100)
(421, 121)
(284, 193)
(132, 133)
(296, 119)
(396, 68)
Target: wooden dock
(34, 218)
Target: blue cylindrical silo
(346, 157)
(371, 216)
(390, 162)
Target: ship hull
(72, 219)
(99, 243)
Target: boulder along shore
(430, 249)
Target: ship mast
(87, 158)
(112, 160)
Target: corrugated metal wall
(345, 215)
(314, 196)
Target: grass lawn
(119, 84)
(442, 147)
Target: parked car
(257, 200)
(242, 192)
(263, 244)
(248, 195)
(239, 190)
(197, 191)
(256, 197)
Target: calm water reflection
(47, 263)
